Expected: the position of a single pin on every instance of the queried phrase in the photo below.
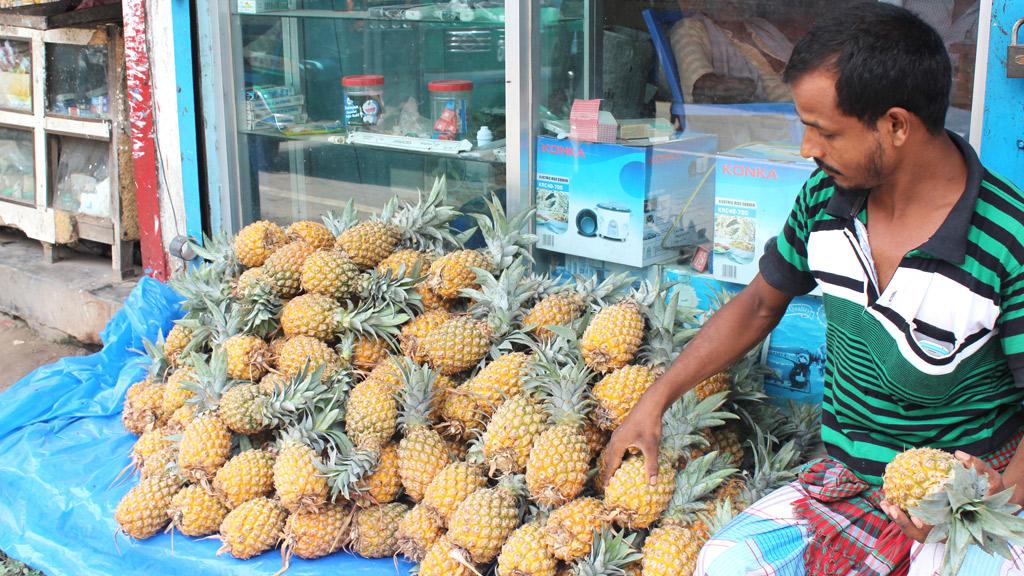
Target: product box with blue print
(796, 348)
(626, 204)
(755, 187)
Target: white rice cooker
(613, 221)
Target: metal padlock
(1015, 54)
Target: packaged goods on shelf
(258, 6)
(633, 205)
(273, 107)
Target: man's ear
(895, 125)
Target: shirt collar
(950, 240)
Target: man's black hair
(884, 56)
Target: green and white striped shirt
(937, 358)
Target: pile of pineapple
(378, 388)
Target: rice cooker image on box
(613, 221)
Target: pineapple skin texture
(240, 409)
(149, 444)
(613, 337)
(570, 529)
(671, 550)
(284, 268)
(556, 469)
(313, 233)
(482, 522)
(205, 447)
(417, 532)
(384, 484)
(257, 241)
(511, 432)
(525, 553)
(177, 339)
(157, 463)
(296, 351)
(438, 561)
(252, 528)
(617, 393)
(248, 357)
(248, 280)
(718, 383)
(196, 512)
(415, 331)
(143, 406)
(432, 301)
(312, 535)
(555, 310)
(368, 243)
(175, 394)
(457, 345)
(373, 530)
(142, 512)
(405, 263)
(631, 501)
(453, 272)
(451, 487)
(309, 315)
(329, 273)
(297, 480)
(460, 413)
(372, 414)
(246, 476)
(498, 381)
(422, 454)
(368, 353)
(915, 474)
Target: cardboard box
(632, 205)
(259, 6)
(755, 187)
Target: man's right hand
(641, 430)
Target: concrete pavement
(22, 350)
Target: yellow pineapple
(422, 453)
(159, 462)
(372, 534)
(498, 381)
(150, 443)
(142, 512)
(312, 535)
(442, 559)
(570, 528)
(257, 241)
(297, 478)
(613, 336)
(457, 345)
(248, 475)
(370, 242)
(372, 414)
(718, 383)
(383, 485)
(206, 441)
(461, 417)
(618, 392)
(272, 381)
(177, 341)
(248, 282)
(432, 301)
(511, 432)
(284, 268)
(563, 307)
(453, 272)
(310, 315)
(253, 528)
(452, 486)
(177, 390)
(143, 406)
(917, 473)
(417, 532)
(298, 351)
(416, 330)
(727, 440)
(367, 352)
(406, 263)
(181, 417)
(330, 273)
(248, 357)
(484, 520)
(313, 233)
(194, 511)
(526, 554)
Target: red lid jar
(362, 80)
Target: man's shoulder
(1001, 199)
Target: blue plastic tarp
(62, 445)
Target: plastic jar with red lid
(450, 102)
(364, 99)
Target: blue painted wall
(181, 13)
(1002, 140)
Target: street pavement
(22, 350)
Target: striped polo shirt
(937, 358)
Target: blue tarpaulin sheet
(62, 445)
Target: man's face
(847, 150)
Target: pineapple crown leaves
(218, 252)
(425, 225)
(319, 425)
(383, 322)
(561, 350)
(416, 395)
(771, 468)
(501, 299)
(200, 286)
(693, 483)
(210, 382)
(722, 513)
(686, 418)
(565, 390)
(398, 291)
(259, 311)
(159, 366)
(338, 223)
(660, 349)
(225, 320)
(504, 236)
(300, 392)
(964, 515)
(601, 293)
(610, 553)
(346, 465)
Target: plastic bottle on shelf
(484, 137)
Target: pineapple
(611, 554)
(498, 381)
(320, 317)
(432, 301)
(458, 344)
(330, 273)
(452, 486)
(313, 233)
(460, 414)
(177, 342)
(310, 315)
(415, 331)
(206, 441)
(370, 242)
(914, 474)
(177, 390)
(559, 459)
(511, 433)
(613, 336)
(453, 272)
(672, 547)
(727, 440)
(563, 307)
(484, 520)
(422, 453)
(569, 530)
(142, 512)
(196, 512)
(284, 268)
(373, 530)
(247, 282)
(299, 351)
(143, 404)
(526, 554)
(720, 382)
(246, 476)
(405, 263)
(299, 478)
(257, 241)
(417, 532)
(312, 535)
(372, 414)
(248, 357)
(444, 559)
(253, 528)
(150, 443)
(383, 485)
(367, 352)
(159, 462)
(247, 409)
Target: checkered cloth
(850, 533)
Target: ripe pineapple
(143, 405)
(416, 330)
(253, 528)
(484, 520)
(498, 381)
(569, 530)
(257, 241)
(612, 554)
(142, 512)
(372, 534)
(248, 357)
(443, 559)
(247, 409)
(369, 242)
(526, 554)
(194, 511)
(248, 281)
(559, 459)
(460, 414)
(432, 301)
(310, 315)
(298, 351)
(417, 532)
(915, 474)
(312, 535)
(150, 443)
(452, 486)
(367, 352)
(284, 268)
(422, 453)
(458, 344)
(727, 440)
(406, 263)
(563, 307)
(613, 336)
(720, 382)
(297, 478)
(330, 273)
(159, 462)
(383, 485)
(511, 433)
(672, 547)
(313, 233)
(178, 389)
(246, 476)
(206, 441)
(177, 341)
(372, 414)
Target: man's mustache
(827, 167)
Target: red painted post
(144, 158)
